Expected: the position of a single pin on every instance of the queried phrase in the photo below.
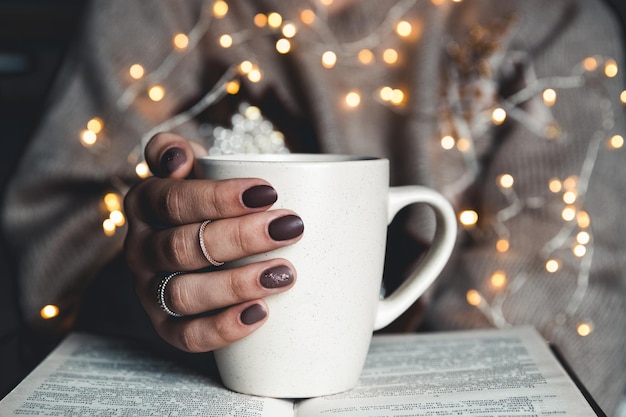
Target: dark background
(34, 35)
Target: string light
(329, 59)
(456, 135)
(49, 311)
(283, 46)
(353, 99)
(156, 93)
(468, 218)
(136, 71)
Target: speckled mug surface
(318, 333)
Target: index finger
(169, 201)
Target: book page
(469, 373)
(89, 376)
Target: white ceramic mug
(318, 333)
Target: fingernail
(172, 159)
(253, 314)
(285, 228)
(259, 196)
(279, 276)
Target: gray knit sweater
(509, 108)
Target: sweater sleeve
(55, 206)
(547, 247)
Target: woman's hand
(163, 248)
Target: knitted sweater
(510, 109)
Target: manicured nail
(172, 159)
(253, 314)
(259, 196)
(276, 277)
(285, 228)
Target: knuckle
(177, 297)
(169, 204)
(176, 249)
(191, 339)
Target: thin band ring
(161, 295)
(205, 252)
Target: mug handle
(429, 268)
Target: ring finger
(195, 293)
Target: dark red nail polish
(253, 314)
(285, 228)
(172, 159)
(259, 196)
(276, 277)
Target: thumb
(172, 156)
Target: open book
(508, 372)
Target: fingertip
(170, 156)
(253, 314)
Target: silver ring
(203, 247)
(161, 294)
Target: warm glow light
(569, 213)
(498, 116)
(283, 46)
(136, 71)
(49, 311)
(142, 170)
(327, 2)
(353, 99)
(584, 329)
(274, 20)
(404, 28)
(590, 64)
(220, 8)
(181, 41)
(289, 30)
(549, 97)
(502, 245)
(622, 97)
(245, 67)
(329, 59)
(552, 266)
(447, 142)
(226, 41)
(232, 87)
(260, 20)
(506, 181)
(307, 16)
(555, 185)
(569, 197)
(156, 93)
(112, 202)
(386, 93)
(616, 142)
(583, 219)
(117, 217)
(397, 97)
(366, 56)
(468, 218)
(610, 68)
(88, 138)
(579, 251)
(473, 297)
(108, 226)
(95, 125)
(255, 75)
(498, 279)
(570, 183)
(463, 144)
(583, 238)
(390, 56)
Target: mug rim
(315, 158)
